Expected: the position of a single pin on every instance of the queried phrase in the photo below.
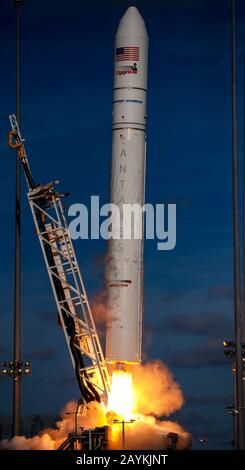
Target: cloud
(67, 380)
(194, 418)
(208, 426)
(47, 316)
(211, 324)
(3, 350)
(43, 354)
(220, 291)
(171, 296)
(210, 400)
(206, 354)
(148, 335)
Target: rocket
(125, 256)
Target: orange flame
(121, 398)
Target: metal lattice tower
(66, 280)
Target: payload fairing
(125, 262)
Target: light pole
(16, 369)
(238, 319)
(123, 422)
(17, 286)
(230, 351)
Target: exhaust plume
(156, 395)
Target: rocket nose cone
(132, 11)
(132, 23)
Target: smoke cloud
(49, 439)
(148, 433)
(155, 389)
(157, 395)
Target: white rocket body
(125, 262)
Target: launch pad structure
(66, 280)
(89, 439)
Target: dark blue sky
(66, 95)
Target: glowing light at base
(131, 416)
(121, 397)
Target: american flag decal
(127, 53)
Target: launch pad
(89, 439)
